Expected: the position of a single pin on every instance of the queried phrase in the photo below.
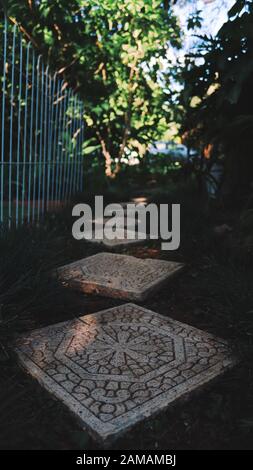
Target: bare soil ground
(215, 293)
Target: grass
(215, 294)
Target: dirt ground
(214, 293)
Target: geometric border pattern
(116, 367)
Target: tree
(130, 110)
(114, 53)
(218, 95)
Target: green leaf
(90, 149)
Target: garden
(141, 102)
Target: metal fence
(42, 132)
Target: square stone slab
(126, 238)
(119, 276)
(121, 222)
(114, 368)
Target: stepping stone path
(126, 237)
(119, 276)
(114, 368)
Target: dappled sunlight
(126, 222)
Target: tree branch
(24, 32)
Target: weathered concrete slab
(117, 367)
(125, 238)
(119, 276)
(121, 221)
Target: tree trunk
(108, 163)
(108, 159)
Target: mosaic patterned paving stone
(123, 217)
(119, 276)
(114, 368)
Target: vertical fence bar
(64, 154)
(72, 146)
(59, 140)
(55, 137)
(45, 133)
(80, 155)
(31, 141)
(3, 122)
(36, 136)
(60, 188)
(67, 153)
(25, 132)
(11, 123)
(76, 146)
(79, 152)
(81, 182)
(76, 153)
(79, 143)
(51, 89)
(19, 126)
(77, 149)
(50, 137)
(41, 138)
(45, 153)
(78, 137)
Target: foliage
(218, 95)
(115, 54)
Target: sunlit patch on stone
(120, 276)
(114, 368)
